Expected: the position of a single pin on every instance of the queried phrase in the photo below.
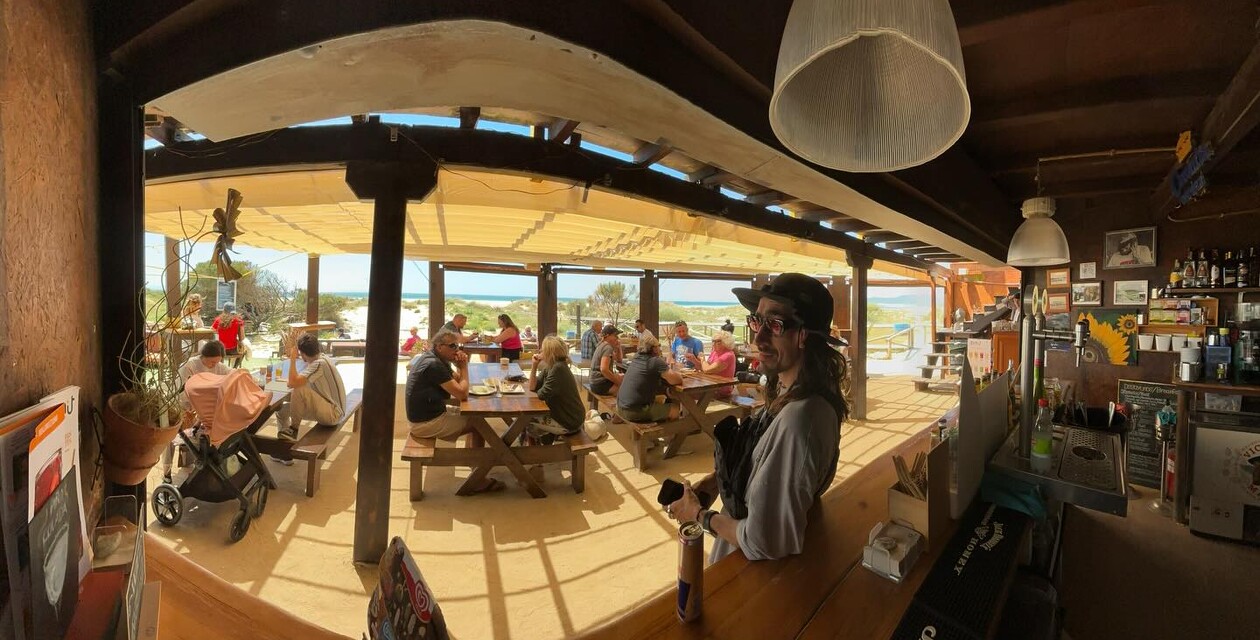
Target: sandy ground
(502, 565)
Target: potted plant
(143, 418)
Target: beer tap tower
(1032, 346)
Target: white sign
(224, 293)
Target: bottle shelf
(1210, 291)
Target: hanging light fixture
(869, 85)
(1038, 242)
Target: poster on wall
(1144, 450)
(1112, 336)
(225, 293)
(53, 460)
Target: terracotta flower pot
(130, 448)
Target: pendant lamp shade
(1038, 242)
(869, 85)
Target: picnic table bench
(312, 446)
(424, 452)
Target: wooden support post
(437, 297)
(932, 306)
(650, 300)
(857, 341)
(171, 265)
(390, 185)
(840, 296)
(548, 299)
(312, 288)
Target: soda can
(690, 570)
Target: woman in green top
(552, 380)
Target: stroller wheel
(168, 505)
(240, 524)
(260, 503)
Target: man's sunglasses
(452, 345)
(776, 325)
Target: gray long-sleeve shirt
(793, 463)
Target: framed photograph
(1129, 293)
(1087, 294)
(1089, 271)
(1129, 248)
(1059, 278)
(1058, 303)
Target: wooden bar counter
(821, 593)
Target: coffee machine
(1247, 357)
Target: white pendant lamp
(869, 85)
(1038, 242)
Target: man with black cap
(772, 467)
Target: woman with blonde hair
(190, 317)
(553, 381)
(721, 360)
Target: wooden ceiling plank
(1235, 115)
(651, 153)
(561, 130)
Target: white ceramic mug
(1146, 341)
(1163, 343)
(1178, 341)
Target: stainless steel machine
(1087, 464)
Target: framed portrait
(1058, 303)
(1129, 248)
(1129, 293)
(1089, 271)
(1087, 294)
(1059, 278)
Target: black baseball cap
(809, 300)
(610, 330)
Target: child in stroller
(231, 408)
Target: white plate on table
(480, 390)
(512, 388)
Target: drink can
(690, 570)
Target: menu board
(1143, 465)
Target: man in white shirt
(317, 393)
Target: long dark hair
(822, 371)
(507, 322)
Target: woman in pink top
(509, 338)
(721, 360)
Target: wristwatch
(706, 520)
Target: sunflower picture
(1110, 341)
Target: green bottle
(1039, 385)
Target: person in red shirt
(412, 346)
(231, 330)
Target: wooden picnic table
(695, 394)
(491, 352)
(516, 410)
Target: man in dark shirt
(430, 383)
(636, 399)
(456, 326)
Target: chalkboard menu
(1144, 466)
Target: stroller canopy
(225, 404)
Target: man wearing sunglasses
(430, 384)
(772, 467)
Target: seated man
(636, 399)
(430, 384)
(684, 345)
(528, 335)
(590, 340)
(604, 377)
(317, 393)
(456, 326)
(412, 345)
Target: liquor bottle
(1229, 270)
(1174, 276)
(1201, 275)
(1214, 269)
(1254, 259)
(1187, 271)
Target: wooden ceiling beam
(1235, 115)
(896, 244)
(1182, 91)
(468, 117)
(979, 21)
(852, 224)
(768, 198)
(710, 177)
(651, 153)
(881, 236)
(560, 130)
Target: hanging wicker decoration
(869, 85)
(225, 226)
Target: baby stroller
(227, 464)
